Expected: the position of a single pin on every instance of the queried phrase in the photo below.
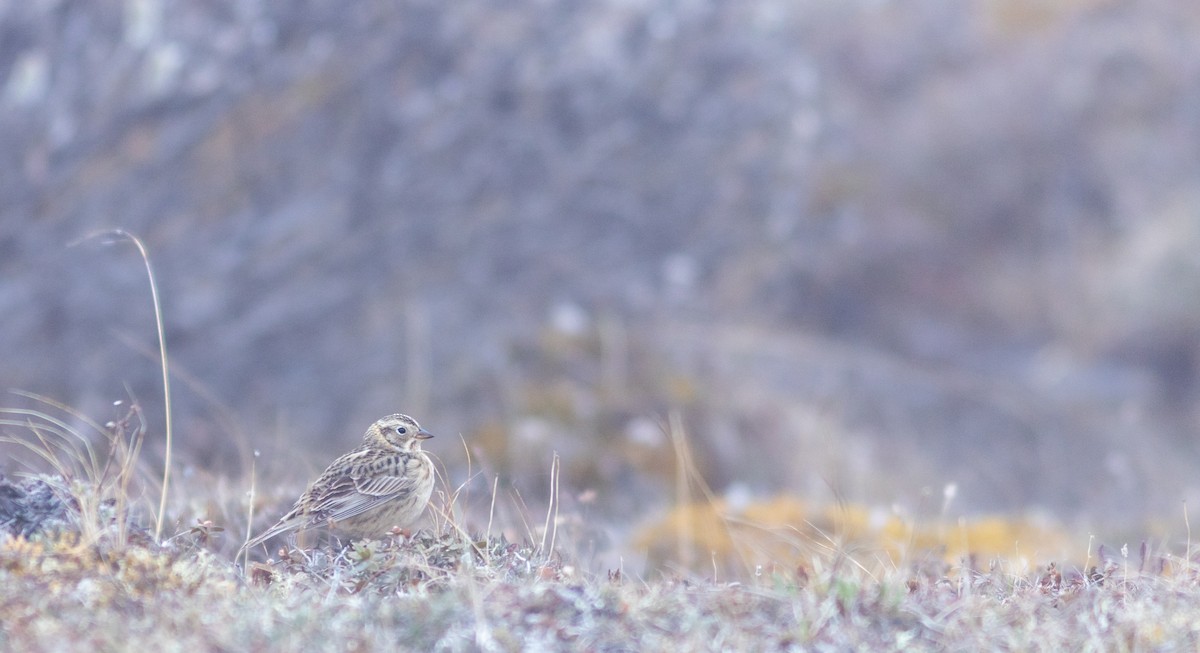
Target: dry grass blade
(83, 452)
(97, 481)
(686, 474)
(245, 550)
(550, 528)
(57, 405)
(43, 449)
(108, 237)
(448, 515)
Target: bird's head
(399, 432)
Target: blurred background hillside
(865, 249)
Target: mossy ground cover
(107, 585)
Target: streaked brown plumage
(384, 483)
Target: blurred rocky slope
(862, 246)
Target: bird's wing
(351, 494)
(346, 489)
(310, 509)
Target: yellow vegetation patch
(64, 562)
(786, 530)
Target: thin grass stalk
(250, 512)
(492, 508)
(93, 458)
(90, 462)
(551, 526)
(1187, 556)
(121, 234)
(43, 451)
(683, 494)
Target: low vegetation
(80, 569)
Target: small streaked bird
(384, 483)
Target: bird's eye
(401, 430)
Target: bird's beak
(423, 435)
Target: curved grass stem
(111, 236)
